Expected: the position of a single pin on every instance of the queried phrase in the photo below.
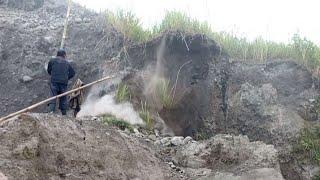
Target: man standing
(61, 72)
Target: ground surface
(269, 103)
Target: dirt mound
(48, 147)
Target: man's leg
(63, 100)
(53, 91)
(77, 109)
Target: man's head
(61, 53)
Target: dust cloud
(107, 105)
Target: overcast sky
(275, 20)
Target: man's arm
(71, 72)
(49, 69)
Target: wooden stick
(65, 29)
(3, 120)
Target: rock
(187, 140)
(152, 137)
(26, 79)
(157, 143)
(78, 20)
(308, 110)
(137, 133)
(255, 174)
(49, 39)
(187, 156)
(3, 177)
(94, 118)
(312, 100)
(157, 132)
(256, 113)
(177, 141)
(165, 141)
(236, 152)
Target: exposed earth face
(263, 106)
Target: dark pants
(56, 89)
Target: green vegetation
(176, 21)
(121, 124)
(201, 135)
(146, 115)
(164, 93)
(317, 105)
(128, 25)
(300, 49)
(122, 93)
(309, 144)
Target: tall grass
(164, 93)
(299, 49)
(129, 25)
(308, 146)
(122, 93)
(176, 21)
(145, 115)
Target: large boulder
(264, 100)
(256, 112)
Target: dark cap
(61, 53)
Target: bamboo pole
(65, 29)
(7, 118)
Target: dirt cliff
(188, 84)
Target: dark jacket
(60, 70)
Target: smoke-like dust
(100, 101)
(107, 105)
(95, 106)
(154, 76)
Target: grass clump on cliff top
(299, 49)
(129, 25)
(177, 21)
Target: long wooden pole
(65, 29)
(6, 118)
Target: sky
(275, 20)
